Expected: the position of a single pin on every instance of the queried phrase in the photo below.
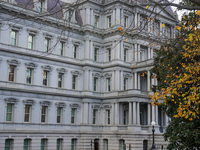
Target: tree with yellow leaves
(177, 69)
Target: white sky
(179, 12)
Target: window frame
(31, 42)
(108, 82)
(29, 78)
(47, 44)
(28, 146)
(41, 4)
(95, 84)
(13, 74)
(125, 55)
(73, 121)
(105, 142)
(44, 145)
(125, 84)
(75, 51)
(12, 112)
(96, 54)
(46, 77)
(59, 115)
(60, 81)
(73, 144)
(74, 82)
(96, 23)
(125, 21)
(109, 21)
(29, 113)
(44, 114)
(109, 54)
(14, 39)
(61, 48)
(10, 144)
(95, 117)
(59, 146)
(108, 117)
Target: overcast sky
(179, 12)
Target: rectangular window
(40, 5)
(73, 144)
(125, 117)
(122, 145)
(109, 21)
(73, 115)
(74, 82)
(94, 116)
(108, 116)
(59, 114)
(95, 84)
(125, 83)
(9, 112)
(109, 54)
(8, 144)
(29, 75)
(27, 143)
(59, 144)
(105, 144)
(69, 14)
(45, 78)
(96, 54)
(156, 28)
(27, 113)
(46, 45)
(13, 37)
(30, 41)
(75, 51)
(125, 21)
(143, 23)
(108, 84)
(11, 73)
(125, 55)
(43, 144)
(96, 22)
(168, 31)
(44, 114)
(61, 48)
(60, 80)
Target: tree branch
(153, 3)
(195, 2)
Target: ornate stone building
(67, 76)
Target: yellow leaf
(162, 25)
(147, 6)
(126, 39)
(153, 19)
(147, 18)
(178, 27)
(123, 33)
(198, 12)
(120, 28)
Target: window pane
(13, 37)
(9, 112)
(61, 48)
(45, 76)
(11, 73)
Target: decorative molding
(31, 65)
(96, 107)
(14, 62)
(29, 102)
(47, 68)
(76, 73)
(32, 31)
(74, 105)
(11, 100)
(97, 75)
(47, 35)
(60, 104)
(15, 27)
(127, 75)
(45, 103)
(107, 106)
(107, 75)
(62, 70)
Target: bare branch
(195, 2)
(173, 4)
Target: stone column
(122, 17)
(121, 50)
(113, 114)
(130, 113)
(118, 15)
(149, 53)
(86, 79)
(116, 113)
(149, 114)
(153, 113)
(113, 81)
(122, 81)
(113, 18)
(138, 81)
(135, 76)
(134, 113)
(138, 113)
(85, 113)
(156, 114)
(87, 15)
(91, 50)
(136, 51)
(148, 81)
(136, 20)
(117, 50)
(92, 17)
(87, 47)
